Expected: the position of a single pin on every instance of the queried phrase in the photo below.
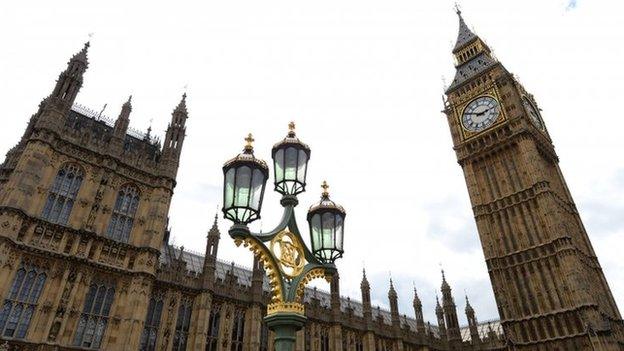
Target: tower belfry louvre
(549, 287)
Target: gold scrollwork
(289, 252)
(270, 267)
(312, 274)
(285, 307)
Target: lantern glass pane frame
(327, 233)
(244, 183)
(290, 167)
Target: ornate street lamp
(288, 262)
(290, 162)
(326, 220)
(245, 178)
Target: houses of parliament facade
(86, 263)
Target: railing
(98, 116)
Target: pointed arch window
(122, 219)
(324, 338)
(182, 325)
(94, 317)
(62, 194)
(21, 302)
(238, 330)
(213, 328)
(152, 322)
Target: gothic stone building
(85, 260)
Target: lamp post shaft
(285, 326)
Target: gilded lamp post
(288, 262)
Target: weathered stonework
(550, 290)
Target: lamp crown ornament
(249, 145)
(291, 129)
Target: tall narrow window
(152, 322)
(359, 344)
(182, 325)
(238, 330)
(62, 194)
(213, 328)
(94, 317)
(21, 301)
(324, 338)
(122, 219)
(264, 337)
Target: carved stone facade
(550, 289)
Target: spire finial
(325, 187)
(291, 128)
(457, 9)
(82, 54)
(249, 139)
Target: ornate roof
(194, 263)
(465, 35)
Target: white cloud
(363, 81)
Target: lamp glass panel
(339, 232)
(256, 189)
(243, 186)
(290, 166)
(279, 165)
(316, 232)
(229, 188)
(327, 232)
(301, 168)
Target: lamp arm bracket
(271, 266)
(310, 271)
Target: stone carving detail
(97, 202)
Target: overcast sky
(364, 81)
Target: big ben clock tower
(550, 289)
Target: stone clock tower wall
(549, 287)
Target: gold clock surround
(492, 93)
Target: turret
(335, 295)
(394, 306)
(450, 313)
(257, 279)
(55, 107)
(418, 314)
(472, 323)
(366, 299)
(210, 258)
(121, 127)
(174, 138)
(70, 80)
(440, 316)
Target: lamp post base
(285, 325)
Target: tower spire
(366, 299)
(418, 313)
(210, 257)
(464, 35)
(70, 80)
(174, 137)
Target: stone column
(198, 329)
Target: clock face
(533, 113)
(480, 113)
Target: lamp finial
(325, 187)
(249, 139)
